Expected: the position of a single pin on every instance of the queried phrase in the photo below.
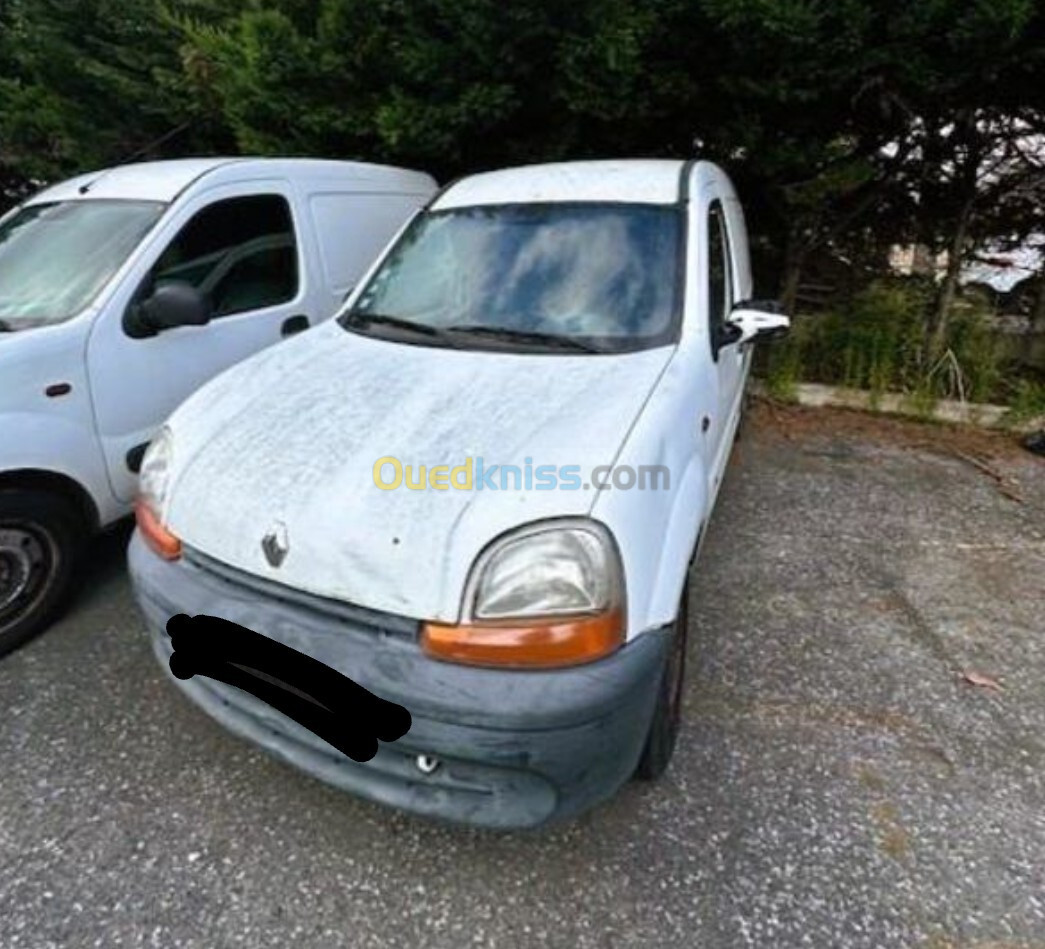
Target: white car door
(240, 245)
(729, 362)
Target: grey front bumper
(517, 748)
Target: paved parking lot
(839, 781)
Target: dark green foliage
(85, 83)
(454, 85)
(849, 125)
(797, 97)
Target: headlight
(547, 571)
(154, 476)
(549, 595)
(153, 483)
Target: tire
(667, 715)
(40, 537)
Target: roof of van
(639, 180)
(165, 180)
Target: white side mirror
(749, 324)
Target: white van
(105, 284)
(478, 492)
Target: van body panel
(293, 437)
(52, 433)
(651, 181)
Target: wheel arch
(38, 479)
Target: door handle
(294, 324)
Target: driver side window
(720, 275)
(240, 253)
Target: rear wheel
(667, 716)
(40, 535)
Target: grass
(878, 343)
(1027, 402)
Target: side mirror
(171, 304)
(753, 320)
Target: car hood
(287, 443)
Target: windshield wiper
(396, 322)
(550, 340)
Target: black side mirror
(170, 305)
(726, 334)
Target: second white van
(121, 292)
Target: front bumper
(517, 748)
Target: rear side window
(241, 253)
(720, 276)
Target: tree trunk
(794, 261)
(949, 287)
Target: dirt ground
(999, 455)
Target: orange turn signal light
(161, 540)
(538, 644)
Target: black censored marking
(319, 698)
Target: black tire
(40, 537)
(667, 716)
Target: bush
(783, 369)
(878, 343)
(977, 352)
(1026, 403)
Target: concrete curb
(895, 403)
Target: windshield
(54, 258)
(600, 277)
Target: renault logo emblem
(275, 544)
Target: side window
(720, 273)
(241, 253)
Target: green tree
(848, 124)
(84, 83)
(451, 85)
(837, 114)
(819, 107)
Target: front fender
(657, 529)
(685, 523)
(38, 441)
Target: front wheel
(667, 716)
(40, 535)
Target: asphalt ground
(840, 781)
